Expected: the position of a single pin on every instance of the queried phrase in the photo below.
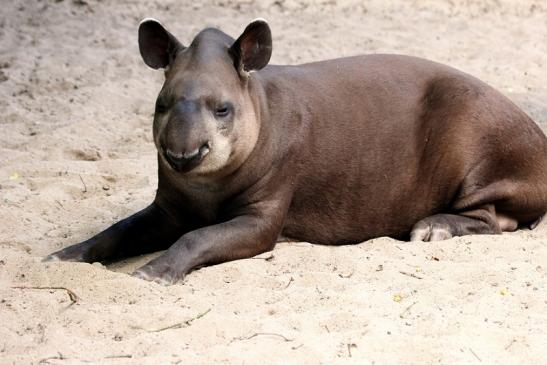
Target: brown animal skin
(333, 152)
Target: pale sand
(76, 103)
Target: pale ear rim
(149, 19)
(259, 20)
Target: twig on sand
(73, 297)
(59, 356)
(402, 315)
(289, 283)
(510, 344)
(412, 275)
(350, 345)
(82, 180)
(118, 357)
(474, 354)
(262, 334)
(184, 324)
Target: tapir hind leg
(495, 151)
(478, 221)
(501, 207)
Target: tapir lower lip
(185, 162)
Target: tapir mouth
(184, 162)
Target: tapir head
(205, 118)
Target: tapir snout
(185, 140)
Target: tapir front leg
(244, 236)
(149, 230)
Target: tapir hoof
(422, 231)
(51, 258)
(160, 274)
(73, 253)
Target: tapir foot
(430, 231)
(159, 271)
(444, 226)
(76, 253)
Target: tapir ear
(158, 47)
(253, 49)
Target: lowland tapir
(333, 152)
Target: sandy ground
(76, 154)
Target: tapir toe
(51, 258)
(163, 277)
(430, 232)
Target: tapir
(332, 152)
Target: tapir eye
(222, 110)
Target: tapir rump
(332, 152)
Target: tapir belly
(351, 207)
